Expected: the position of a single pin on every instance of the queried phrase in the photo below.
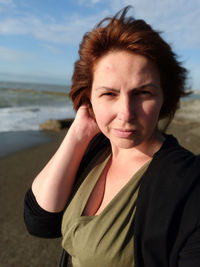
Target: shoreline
(13, 142)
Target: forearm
(53, 185)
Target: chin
(125, 143)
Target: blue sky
(39, 39)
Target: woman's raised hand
(53, 185)
(84, 125)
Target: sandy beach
(17, 247)
(17, 170)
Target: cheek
(101, 114)
(151, 111)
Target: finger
(83, 106)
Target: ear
(84, 99)
(90, 109)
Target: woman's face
(126, 98)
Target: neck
(145, 150)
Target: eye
(146, 92)
(143, 93)
(108, 94)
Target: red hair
(126, 33)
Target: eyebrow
(148, 85)
(136, 88)
(106, 88)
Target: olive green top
(105, 239)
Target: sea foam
(30, 117)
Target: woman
(126, 193)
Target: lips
(124, 133)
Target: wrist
(82, 132)
(79, 136)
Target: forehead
(129, 57)
(123, 65)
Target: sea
(24, 106)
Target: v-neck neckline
(100, 169)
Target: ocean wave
(29, 118)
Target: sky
(39, 39)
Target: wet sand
(17, 170)
(17, 247)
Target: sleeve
(190, 254)
(40, 222)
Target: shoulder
(175, 159)
(171, 149)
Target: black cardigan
(167, 219)
(166, 227)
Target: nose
(126, 111)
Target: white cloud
(6, 4)
(180, 20)
(95, 1)
(13, 54)
(14, 26)
(51, 48)
(9, 3)
(89, 2)
(69, 30)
